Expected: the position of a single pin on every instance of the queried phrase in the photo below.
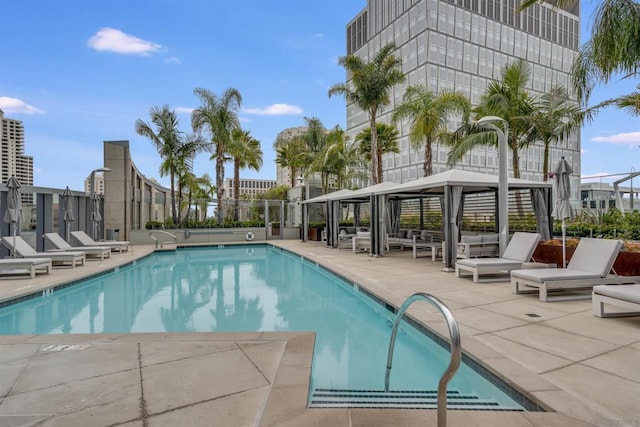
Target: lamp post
(94, 198)
(305, 207)
(503, 175)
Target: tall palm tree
(387, 140)
(429, 113)
(508, 99)
(369, 87)
(166, 139)
(218, 117)
(245, 152)
(554, 117)
(630, 103)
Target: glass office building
(463, 44)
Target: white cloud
(15, 105)
(275, 110)
(244, 120)
(319, 35)
(184, 110)
(629, 138)
(172, 60)
(112, 40)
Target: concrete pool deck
(581, 367)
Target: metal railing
(456, 350)
(162, 233)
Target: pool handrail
(456, 349)
(163, 233)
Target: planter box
(315, 234)
(626, 264)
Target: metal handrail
(456, 350)
(162, 232)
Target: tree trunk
(376, 167)
(172, 177)
(219, 183)
(428, 157)
(236, 188)
(545, 162)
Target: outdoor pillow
(471, 239)
(489, 238)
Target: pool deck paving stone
(578, 366)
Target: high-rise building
(249, 187)
(98, 184)
(283, 175)
(463, 45)
(12, 158)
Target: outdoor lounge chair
(14, 266)
(24, 250)
(83, 239)
(625, 296)
(518, 251)
(589, 266)
(55, 240)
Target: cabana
(452, 185)
(331, 214)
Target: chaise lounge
(22, 266)
(518, 251)
(589, 266)
(24, 250)
(624, 296)
(55, 240)
(83, 239)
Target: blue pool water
(252, 288)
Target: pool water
(255, 288)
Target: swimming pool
(262, 288)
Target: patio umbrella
(95, 216)
(13, 214)
(562, 208)
(68, 211)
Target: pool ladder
(456, 350)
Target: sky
(79, 72)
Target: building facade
(463, 45)
(98, 184)
(283, 175)
(249, 187)
(12, 158)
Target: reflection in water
(237, 289)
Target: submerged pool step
(407, 399)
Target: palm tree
(218, 117)
(553, 119)
(630, 103)
(387, 141)
(202, 194)
(289, 154)
(429, 113)
(245, 152)
(369, 87)
(166, 139)
(508, 99)
(340, 157)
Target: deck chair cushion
(521, 246)
(551, 274)
(588, 256)
(630, 293)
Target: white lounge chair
(83, 239)
(21, 266)
(624, 296)
(24, 250)
(589, 266)
(55, 240)
(518, 251)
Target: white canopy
(472, 182)
(336, 195)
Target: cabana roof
(472, 182)
(363, 194)
(336, 195)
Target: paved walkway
(581, 367)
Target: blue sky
(81, 72)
